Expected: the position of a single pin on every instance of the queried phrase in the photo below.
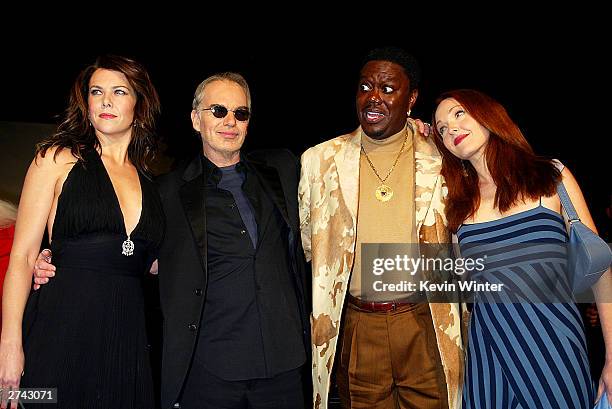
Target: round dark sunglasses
(219, 111)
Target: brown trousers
(390, 360)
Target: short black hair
(400, 57)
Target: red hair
(516, 170)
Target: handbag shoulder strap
(566, 202)
(557, 164)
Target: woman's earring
(464, 170)
(408, 113)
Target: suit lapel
(270, 180)
(427, 162)
(192, 199)
(347, 165)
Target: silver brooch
(127, 247)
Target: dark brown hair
(400, 57)
(516, 170)
(75, 132)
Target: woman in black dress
(84, 332)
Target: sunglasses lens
(219, 111)
(242, 114)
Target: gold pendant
(384, 193)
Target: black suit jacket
(183, 261)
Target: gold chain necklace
(383, 192)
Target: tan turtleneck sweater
(384, 222)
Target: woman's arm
(37, 198)
(603, 288)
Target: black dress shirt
(239, 337)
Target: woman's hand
(11, 370)
(605, 382)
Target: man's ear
(413, 97)
(195, 120)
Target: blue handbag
(589, 255)
(603, 403)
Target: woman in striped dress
(524, 353)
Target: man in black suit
(231, 270)
(232, 275)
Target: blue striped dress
(523, 354)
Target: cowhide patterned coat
(328, 203)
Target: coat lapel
(427, 162)
(270, 180)
(192, 199)
(347, 165)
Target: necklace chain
(392, 166)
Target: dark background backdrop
(548, 68)
(303, 82)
